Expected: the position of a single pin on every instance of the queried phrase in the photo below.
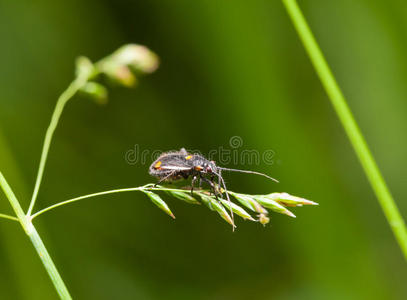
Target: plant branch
(84, 197)
(274, 201)
(148, 187)
(118, 67)
(35, 239)
(13, 202)
(74, 87)
(355, 136)
(4, 216)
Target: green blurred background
(228, 68)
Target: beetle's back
(168, 163)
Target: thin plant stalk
(4, 216)
(84, 197)
(355, 136)
(148, 187)
(72, 89)
(39, 246)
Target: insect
(171, 166)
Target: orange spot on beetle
(157, 165)
(198, 168)
(188, 157)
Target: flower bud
(95, 91)
(123, 64)
(137, 57)
(263, 219)
(84, 67)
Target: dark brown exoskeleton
(171, 166)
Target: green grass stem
(4, 216)
(72, 89)
(356, 138)
(36, 240)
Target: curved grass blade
(184, 196)
(289, 200)
(215, 206)
(274, 205)
(249, 202)
(237, 210)
(159, 202)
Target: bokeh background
(228, 68)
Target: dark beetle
(181, 164)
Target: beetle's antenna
(247, 171)
(227, 196)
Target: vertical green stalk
(357, 140)
(48, 263)
(39, 246)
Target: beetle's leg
(215, 192)
(216, 189)
(228, 198)
(164, 178)
(206, 180)
(192, 184)
(213, 186)
(219, 182)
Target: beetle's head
(210, 167)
